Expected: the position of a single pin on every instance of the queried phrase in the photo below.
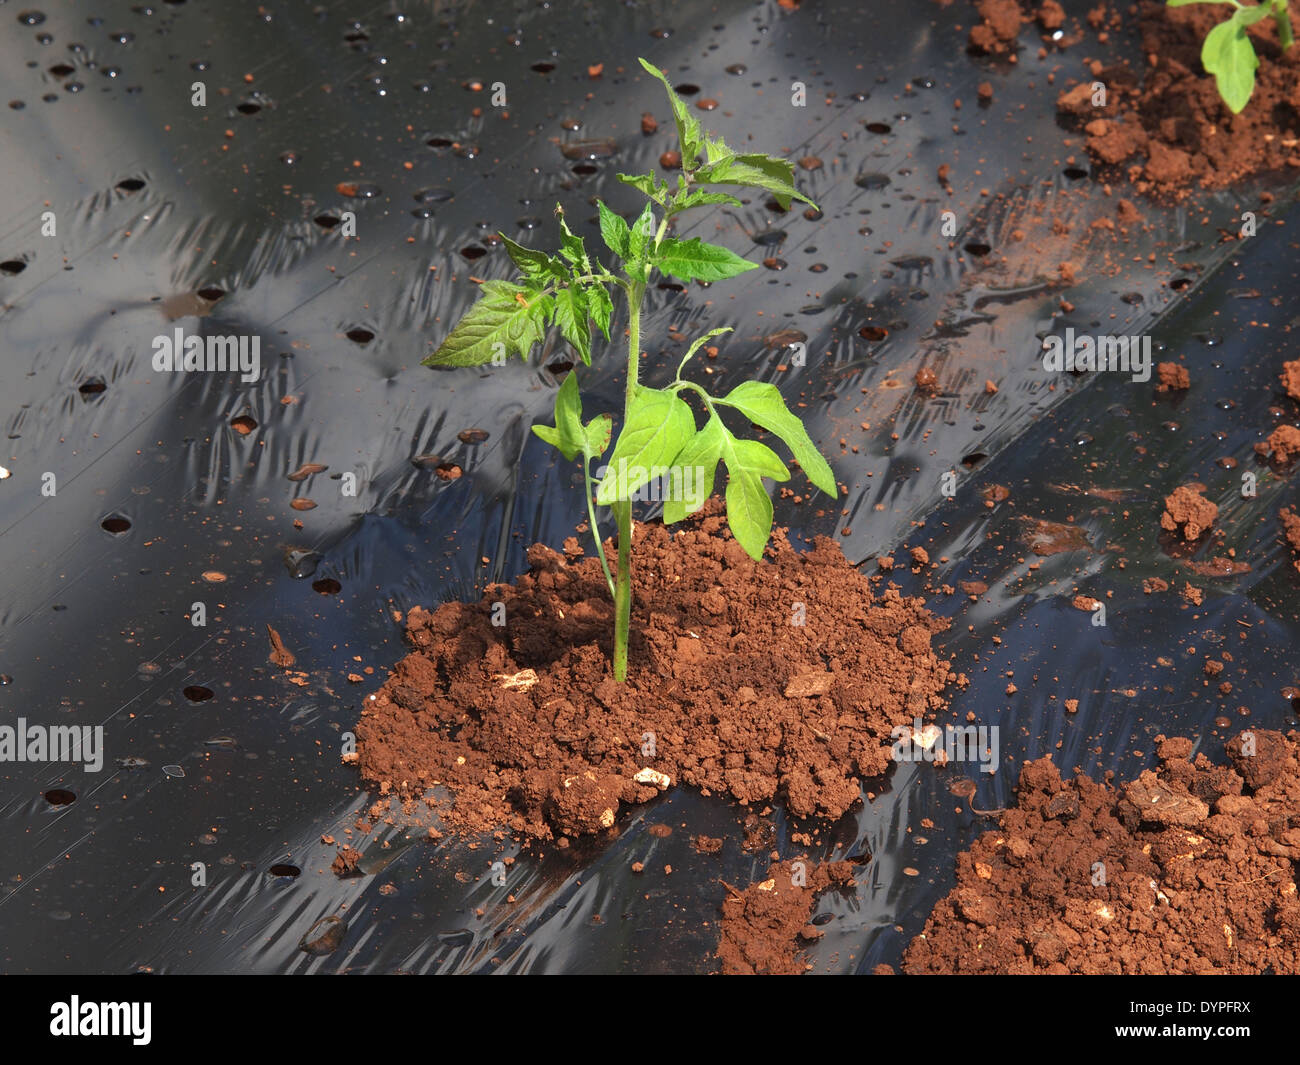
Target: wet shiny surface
(175, 489)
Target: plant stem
(1283, 17)
(623, 508)
(590, 518)
(623, 590)
(595, 529)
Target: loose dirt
(765, 925)
(1191, 868)
(1188, 512)
(777, 680)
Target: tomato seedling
(1227, 52)
(659, 437)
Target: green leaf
(658, 425)
(698, 343)
(613, 230)
(1228, 54)
(1185, 3)
(507, 318)
(762, 404)
(749, 512)
(701, 456)
(568, 435)
(535, 265)
(571, 244)
(689, 133)
(600, 306)
(1248, 16)
(693, 260)
(749, 508)
(641, 233)
(657, 191)
(571, 315)
(699, 198)
(753, 171)
(598, 431)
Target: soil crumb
(279, 654)
(525, 727)
(999, 26)
(1291, 378)
(1282, 445)
(1188, 511)
(1191, 868)
(764, 926)
(345, 862)
(1172, 377)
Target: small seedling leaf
(703, 453)
(598, 432)
(600, 306)
(1228, 54)
(507, 319)
(688, 127)
(657, 191)
(613, 230)
(568, 436)
(762, 404)
(754, 171)
(702, 198)
(658, 425)
(571, 315)
(694, 260)
(535, 265)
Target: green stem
(1283, 17)
(623, 590)
(595, 530)
(623, 508)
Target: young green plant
(659, 433)
(1227, 52)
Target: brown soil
(999, 26)
(1291, 530)
(764, 926)
(1172, 377)
(1291, 378)
(1170, 126)
(1188, 511)
(1282, 445)
(526, 728)
(1191, 868)
(345, 862)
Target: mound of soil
(1282, 445)
(1188, 869)
(999, 26)
(772, 680)
(1188, 512)
(764, 926)
(1170, 126)
(1172, 377)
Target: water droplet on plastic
(871, 180)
